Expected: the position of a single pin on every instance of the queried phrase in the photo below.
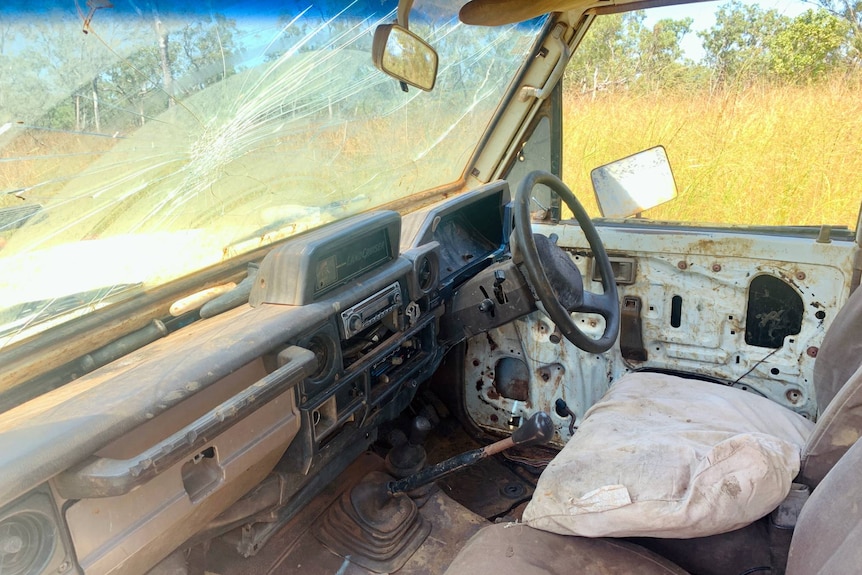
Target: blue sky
(703, 14)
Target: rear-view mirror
(631, 185)
(400, 53)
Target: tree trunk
(167, 77)
(96, 118)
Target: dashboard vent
(30, 539)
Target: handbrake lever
(537, 430)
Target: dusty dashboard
(378, 290)
(468, 232)
(364, 295)
(373, 329)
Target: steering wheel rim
(605, 304)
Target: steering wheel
(553, 275)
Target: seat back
(838, 388)
(828, 535)
(840, 354)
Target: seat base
(516, 549)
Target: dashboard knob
(354, 322)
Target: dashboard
(240, 418)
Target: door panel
(748, 309)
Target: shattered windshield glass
(142, 141)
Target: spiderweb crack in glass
(162, 142)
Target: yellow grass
(764, 155)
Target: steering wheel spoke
(599, 303)
(559, 308)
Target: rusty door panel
(695, 288)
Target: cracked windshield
(140, 142)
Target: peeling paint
(711, 338)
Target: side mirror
(631, 185)
(400, 53)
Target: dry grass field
(770, 155)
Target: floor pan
(294, 549)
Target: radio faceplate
(370, 310)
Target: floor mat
(295, 550)
(489, 488)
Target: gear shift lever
(379, 526)
(409, 457)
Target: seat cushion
(516, 549)
(663, 456)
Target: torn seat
(827, 540)
(669, 457)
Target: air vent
(30, 539)
(426, 270)
(324, 344)
(27, 542)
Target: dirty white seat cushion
(663, 456)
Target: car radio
(370, 310)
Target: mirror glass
(405, 56)
(631, 185)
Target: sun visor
(500, 12)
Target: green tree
(620, 51)
(851, 12)
(661, 61)
(203, 51)
(737, 46)
(813, 44)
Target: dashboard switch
(487, 306)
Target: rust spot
(492, 393)
(800, 276)
(682, 265)
(476, 363)
(494, 418)
(545, 376)
(793, 395)
(517, 389)
(734, 247)
(703, 246)
(812, 351)
(491, 343)
(479, 385)
(716, 267)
